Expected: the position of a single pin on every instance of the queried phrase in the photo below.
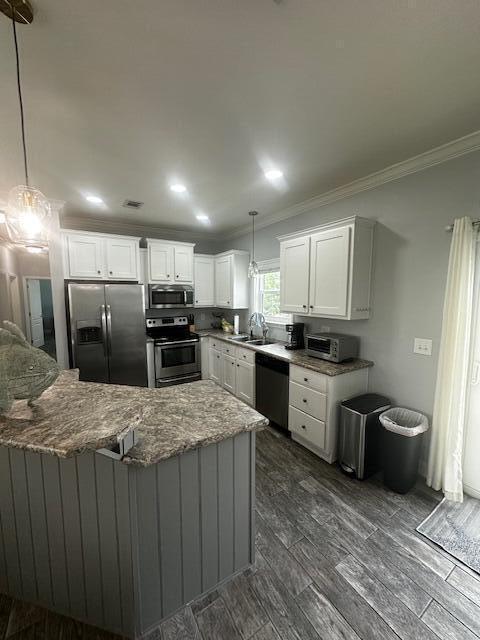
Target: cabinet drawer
(308, 400)
(216, 344)
(229, 348)
(309, 428)
(308, 378)
(246, 355)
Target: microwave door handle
(185, 297)
(104, 330)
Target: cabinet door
(229, 373)
(122, 259)
(85, 256)
(160, 258)
(246, 382)
(223, 282)
(205, 357)
(294, 268)
(215, 365)
(183, 264)
(329, 272)
(204, 281)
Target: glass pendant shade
(252, 269)
(27, 216)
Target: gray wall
(410, 267)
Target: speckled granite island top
(298, 356)
(72, 417)
(188, 416)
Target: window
(267, 293)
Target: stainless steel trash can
(360, 434)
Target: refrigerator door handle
(109, 328)
(104, 330)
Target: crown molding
(127, 228)
(438, 155)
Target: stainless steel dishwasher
(271, 389)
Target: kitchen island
(122, 543)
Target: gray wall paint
(410, 267)
(119, 546)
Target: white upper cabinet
(183, 260)
(294, 268)
(122, 258)
(326, 271)
(329, 270)
(223, 281)
(231, 280)
(160, 261)
(170, 262)
(92, 256)
(84, 256)
(204, 281)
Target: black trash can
(402, 447)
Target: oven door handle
(175, 343)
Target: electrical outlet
(423, 346)
(202, 317)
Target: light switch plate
(423, 346)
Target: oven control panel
(171, 321)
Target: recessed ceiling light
(33, 249)
(2, 217)
(94, 199)
(178, 188)
(273, 174)
(202, 217)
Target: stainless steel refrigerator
(107, 332)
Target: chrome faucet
(258, 320)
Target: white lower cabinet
(229, 374)
(245, 382)
(313, 412)
(233, 368)
(216, 365)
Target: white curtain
(450, 406)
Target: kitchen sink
(259, 341)
(239, 338)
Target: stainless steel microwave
(170, 296)
(335, 347)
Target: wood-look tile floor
(336, 560)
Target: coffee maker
(295, 336)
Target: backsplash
(203, 317)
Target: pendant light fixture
(28, 210)
(253, 266)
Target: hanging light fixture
(253, 266)
(28, 210)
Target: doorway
(39, 313)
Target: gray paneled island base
(121, 544)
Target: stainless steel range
(176, 351)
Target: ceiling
(123, 98)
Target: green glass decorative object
(25, 371)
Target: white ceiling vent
(132, 204)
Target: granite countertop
(298, 356)
(72, 417)
(188, 416)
